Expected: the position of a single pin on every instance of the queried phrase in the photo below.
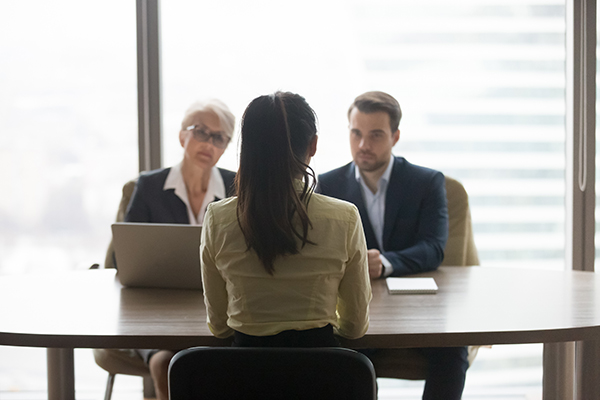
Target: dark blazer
(415, 227)
(150, 203)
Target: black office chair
(211, 373)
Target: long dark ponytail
(277, 131)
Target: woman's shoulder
(331, 207)
(224, 209)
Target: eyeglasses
(201, 134)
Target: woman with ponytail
(281, 265)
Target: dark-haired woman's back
(326, 283)
(282, 266)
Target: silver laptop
(157, 255)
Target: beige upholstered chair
(123, 361)
(460, 248)
(126, 362)
(127, 193)
(460, 251)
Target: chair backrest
(460, 248)
(109, 261)
(271, 373)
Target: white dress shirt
(375, 204)
(215, 191)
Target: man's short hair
(226, 117)
(371, 102)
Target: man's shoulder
(415, 167)
(413, 172)
(334, 179)
(337, 172)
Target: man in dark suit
(404, 213)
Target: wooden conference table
(474, 306)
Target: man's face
(371, 139)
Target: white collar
(214, 191)
(175, 181)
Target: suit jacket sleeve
(139, 209)
(427, 251)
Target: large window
(68, 142)
(68, 130)
(481, 84)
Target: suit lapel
(393, 199)
(228, 181)
(354, 195)
(177, 207)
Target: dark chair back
(271, 373)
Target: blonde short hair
(226, 117)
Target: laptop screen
(158, 255)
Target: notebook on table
(411, 285)
(157, 255)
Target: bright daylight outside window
(69, 131)
(68, 143)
